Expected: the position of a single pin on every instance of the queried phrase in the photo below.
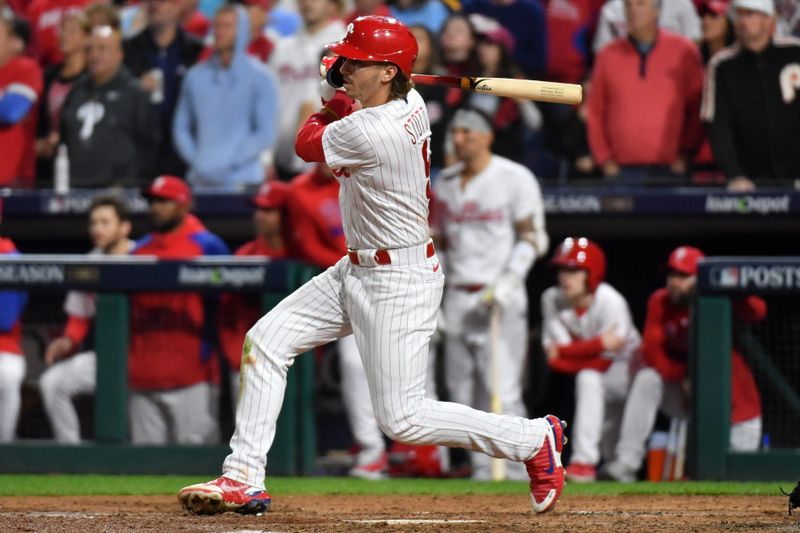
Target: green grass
(71, 485)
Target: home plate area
(352, 514)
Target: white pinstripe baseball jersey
(562, 324)
(477, 220)
(381, 157)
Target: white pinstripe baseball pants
(391, 309)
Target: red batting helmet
(581, 253)
(684, 259)
(374, 38)
(169, 188)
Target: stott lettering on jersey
(339, 172)
(416, 125)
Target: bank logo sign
(761, 205)
(756, 277)
(211, 276)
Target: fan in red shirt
(170, 366)
(45, 17)
(12, 360)
(193, 20)
(663, 383)
(238, 312)
(650, 73)
(20, 88)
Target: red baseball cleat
(581, 473)
(545, 469)
(224, 494)
(371, 469)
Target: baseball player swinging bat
(541, 91)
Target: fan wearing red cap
(587, 331)
(170, 371)
(663, 383)
(238, 312)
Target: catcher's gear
(583, 254)
(684, 259)
(374, 38)
(794, 497)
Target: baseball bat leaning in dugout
(498, 466)
(541, 91)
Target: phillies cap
(718, 7)
(169, 188)
(271, 195)
(684, 259)
(764, 6)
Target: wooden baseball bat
(498, 466)
(541, 91)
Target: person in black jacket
(107, 123)
(752, 102)
(159, 57)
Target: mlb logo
(726, 277)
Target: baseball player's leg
(615, 386)
(746, 435)
(147, 418)
(62, 382)
(309, 317)
(644, 399)
(12, 372)
(192, 413)
(234, 378)
(355, 395)
(393, 315)
(589, 413)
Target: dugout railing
(113, 279)
(771, 349)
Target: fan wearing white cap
(751, 101)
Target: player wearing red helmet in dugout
(588, 331)
(663, 384)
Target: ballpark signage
(721, 275)
(237, 277)
(32, 274)
(142, 273)
(761, 205)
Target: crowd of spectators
(105, 80)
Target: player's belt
(474, 287)
(397, 256)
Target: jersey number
(426, 157)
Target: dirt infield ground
(355, 514)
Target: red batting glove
(339, 105)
